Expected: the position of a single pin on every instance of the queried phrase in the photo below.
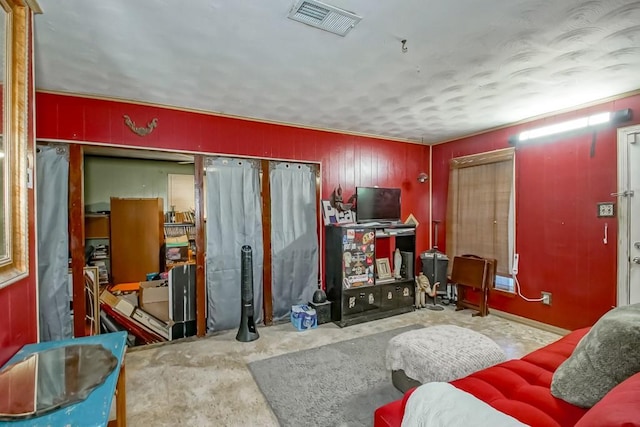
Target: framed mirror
(14, 247)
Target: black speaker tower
(247, 330)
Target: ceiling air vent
(324, 16)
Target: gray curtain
(294, 236)
(234, 219)
(52, 176)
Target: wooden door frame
(267, 285)
(623, 213)
(76, 237)
(201, 295)
(77, 232)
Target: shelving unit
(174, 231)
(352, 282)
(97, 229)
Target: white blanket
(442, 405)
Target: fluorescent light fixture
(571, 126)
(554, 129)
(597, 119)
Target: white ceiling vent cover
(324, 16)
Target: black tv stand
(361, 301)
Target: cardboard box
(156, 325)
(120, 305)
(168, 330)
(177, 248)
(137, 316)
(303, 317)
(153, 313)
(154, 298)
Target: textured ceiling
(471, 65)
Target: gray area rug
(334, 385)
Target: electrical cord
(515, 278)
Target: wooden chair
(473, 275)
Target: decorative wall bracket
(140, 131)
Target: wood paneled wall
(558, 236)
(347, 160)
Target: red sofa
(521, 389)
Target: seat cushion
(521, 388)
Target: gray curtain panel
(234, 219)
(294, 236)
(52, 176)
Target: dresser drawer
(358, 300)
(394, 295)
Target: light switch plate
(606, 209)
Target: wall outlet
(546, 298)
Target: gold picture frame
(16, 167)
(383, 267)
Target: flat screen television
(377, 204)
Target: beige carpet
(206, 382)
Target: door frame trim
(624, 215)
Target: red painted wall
(558, 236)
(347, 160)
(558, 184)
(18, 315)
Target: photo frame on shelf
(383, 268)
(329, 213)
(411, 220)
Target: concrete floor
(206, 382)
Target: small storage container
(303, 317)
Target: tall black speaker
(406, 270)
(247, 330)
(182, 301)
(434, 266)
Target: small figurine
(336, 199)
(397, 264)
(423, 288)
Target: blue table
(94, 410)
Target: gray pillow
(606, 356)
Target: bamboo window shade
(478, 207)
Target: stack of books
(179, 230)
(100, 252)
(187, 217)
(103, 273)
